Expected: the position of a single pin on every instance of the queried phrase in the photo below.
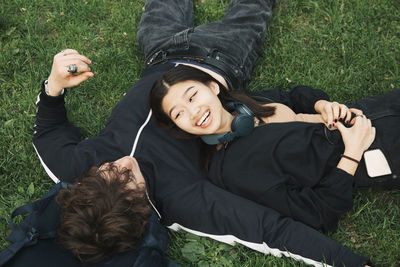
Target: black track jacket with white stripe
(182, 195)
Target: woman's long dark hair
(183, 73)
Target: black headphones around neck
(242, 125)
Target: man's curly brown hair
(101, 216)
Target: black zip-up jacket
(182, 195)
(290, 167)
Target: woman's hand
(60, 78)
(357, 138)
(332, 112)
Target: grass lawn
(349, 48)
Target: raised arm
(55, 139)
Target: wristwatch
(46, 89)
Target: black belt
(214, 59)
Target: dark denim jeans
(384, 113)
(235, 40)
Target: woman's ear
(214, 87)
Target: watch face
(46, 89)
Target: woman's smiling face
(195, 108)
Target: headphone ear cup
(242, 125)
(243, 109)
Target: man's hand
(60, 78)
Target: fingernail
(333, 124)
(329, 126)
(335, 120)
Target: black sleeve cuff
(50, 109)
(51, 100)
(304, 98)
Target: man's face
(129, 163)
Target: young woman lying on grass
(299, 153)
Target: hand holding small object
(69, 69)
(357, 138)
